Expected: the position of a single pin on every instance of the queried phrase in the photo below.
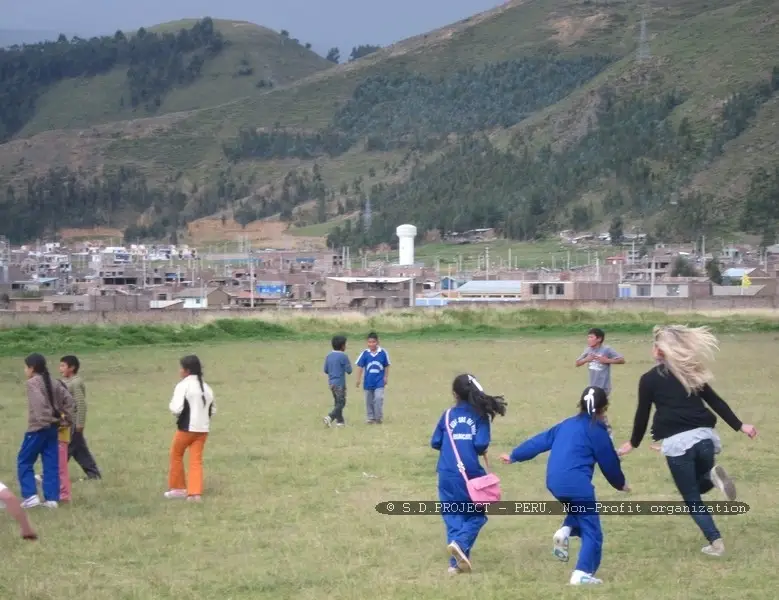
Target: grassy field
(289, 505)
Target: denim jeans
(690, 473)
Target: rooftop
(371, 279)
(506, 286)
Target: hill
(177, 66)
(537, 115)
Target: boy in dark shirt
(337, 367)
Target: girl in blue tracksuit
(576, 445)
(469, 420)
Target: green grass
(409, 324)
(288, 509)
(80, 103)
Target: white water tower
(406, 235)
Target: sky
(323, 23)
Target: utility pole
(487, 262)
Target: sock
(563, 532)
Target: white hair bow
(590, 399)
(475, 383)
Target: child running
(14, 507)
(337, 367)
(678, 386)
(193, 406)
(78, 449)
(375, 362)
(599, 359)
(48, 407)
(576, 445)
(469, 423)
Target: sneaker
(370, 422)
(462, 561)
(716, 548)
(171, 494)
(560, 549)
(378, 422)
(723, 483)
(340, 424)
(328, 421)
(51, 504)
(194, 498)
(31, 502)
(454, 571)
(582, 578)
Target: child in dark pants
(337, 367)
(78, 449)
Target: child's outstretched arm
(607, 459)
(177, 402)
(14, 508)
(438, 435)
(531, 448)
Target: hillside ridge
(543, 79)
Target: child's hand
(656, 447)
(505, 459)
(749, 430)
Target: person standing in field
(337, 367)
(468, 421)
(678, 386)
(599, 358)
(78, 449)
(373, 367)
(49, 407)
(575, 446)
(193, 406)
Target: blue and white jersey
(374, 365)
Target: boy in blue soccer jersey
(373, 366)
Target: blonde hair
(686, 352)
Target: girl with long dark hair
(49, 407)
(467, 426)
(193, 406)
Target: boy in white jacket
(193, 406)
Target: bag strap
(460, 465)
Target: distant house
(569, 290)
(669, 287)
(371, 292)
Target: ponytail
(202, 389)
(468, 389)
(193, 366)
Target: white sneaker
(462, 561)
(723, 483)
(171, 494)
(582, 578)
(31, 502)
(51, 504)
(716, 548)
(560, 549)
(328, 421)
(454, 571)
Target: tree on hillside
(334, 55)
(713, 271)
(683, 268)
(615, 231)
(362, 50)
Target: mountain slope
(253, 56)
(579, 131)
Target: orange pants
(177, 479)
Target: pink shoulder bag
(480, 489)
